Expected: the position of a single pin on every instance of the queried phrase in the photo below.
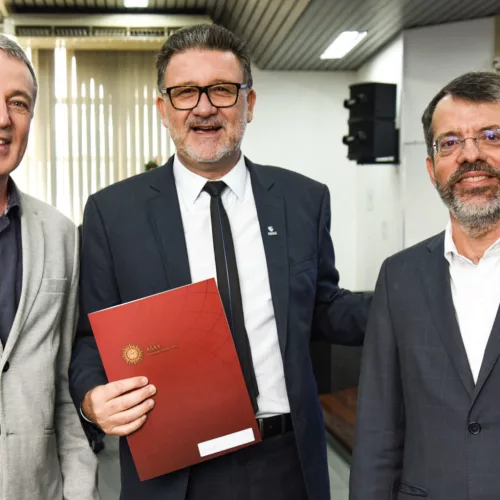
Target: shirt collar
(13, 196)
(190, 185)
(450, 249)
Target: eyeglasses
(488, 139)
(220, 95)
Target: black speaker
(372, 141)
(373, 137)
(372, 100)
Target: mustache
(210, 122)
(479, 166)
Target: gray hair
(13, 49)
(204, 37)
(477, 86)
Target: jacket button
(6, 367)
(474, 428)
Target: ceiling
(290, 34)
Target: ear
(162, 109)
(251, 98)
(430, 170)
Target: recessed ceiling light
(135, 4)
(343, 44)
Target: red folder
(180, 340)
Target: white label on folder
(226, 442)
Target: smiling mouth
(476, 178)
(201, 128)
(4, 141)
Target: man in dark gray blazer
(155, 232)
(428, 422)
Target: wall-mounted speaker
(372, 141)
(373, 137)
(372, 100)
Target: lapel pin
(271, 231)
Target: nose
(205, 107)
(471, 152)
(4, 114)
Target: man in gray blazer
(43, 451)
(429, 408)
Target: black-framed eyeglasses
(220, 95)
(484, 140)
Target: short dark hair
(204, 37)
(476, 86)
(13, 49)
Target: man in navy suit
(154, 232)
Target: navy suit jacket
(134, 246)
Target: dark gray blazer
(424, 428)
(134, 246)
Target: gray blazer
(424, 429)
(44, 454)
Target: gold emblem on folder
(132, 354)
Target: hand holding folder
(181, 342)
(119, 408)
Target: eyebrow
(489, 127)
(193, 84)
(482, 129)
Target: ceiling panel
(344, 16)
(277, 29)
(248, 25)
(292, 34)
(218, 10)
(278, 38)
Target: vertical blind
(95, 123)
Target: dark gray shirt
(11, 262)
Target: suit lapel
(436, 277)
(272, 220)
(490, 358)
(33, 250)
(165, 214)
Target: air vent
(110, 31)
(97, 31)
(67, 31)
(93, 31)
(33, 31)
(161, 32)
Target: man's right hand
(119, 408)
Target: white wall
(379, 228)
(433, 56)
(386, 67)
(299, 124)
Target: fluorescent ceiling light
(135, 4)
(343, 44)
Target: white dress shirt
(238, 200)
(476, 295)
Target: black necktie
(228, 283)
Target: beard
(476, 209)
(210, 153)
